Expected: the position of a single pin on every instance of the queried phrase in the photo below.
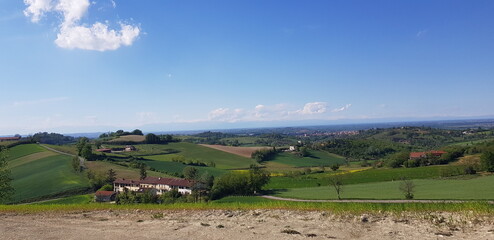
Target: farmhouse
(156, 184)
(4, 139)
(130, 148)
(105, 196)
(417, 155)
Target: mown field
(479, 188)
(194, 152)
(361, 176)
(316, 158)
(100, 167)
(37, 172)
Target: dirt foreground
(242, 224)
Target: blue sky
(83, 66)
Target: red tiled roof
(423, 154)
(417, 154)
(10, 138)
(103, 150)
(104, 193)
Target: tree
(407, 187)
(152, 138)
(111, 176)
(487, 160)
(190, 173)
(83, 141)
(336, 181)
(6, 189)
(87, 152)
(335, 167)
(137, 132)
(257, 178)
(142, 171)
(76, 164)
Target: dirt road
(242, 224)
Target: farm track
(81, 159)
(366, 200)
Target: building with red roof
(158, 184)
(105, 196)
(417, 155)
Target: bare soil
(240, 151)
(243, 224)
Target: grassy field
(356, 177)
(480, 188)
(143, 150)
(23, 150)
(240, 151)
(122, 172)
(316, 158)
(203, 154)
(70, 148)
(178, 167)
(129, 138)
(44, 175)
(76, 199)
(477, 208)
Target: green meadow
(194, 152)
(38, 173)
(364, 176)
(479, 188)
(316, 158)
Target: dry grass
(470, 160)
(240, 151)
(129, 138)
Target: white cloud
(421, 33)
(74, 34)
(342, 108)
(313, 108)
(114, 5)
(36, 8)
(147, 117)
(226, 115)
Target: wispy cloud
(73, 34)
(341, 109)
(421, 33)
(39, 101)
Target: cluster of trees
(265, 154)
(102, 181)
(152, 138)
(119, 133)
(52, 138)
(85, 149)
(360, 148)
(240, 183)
(6, 189)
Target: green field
(194, 152)
(23, 150)
(37, 173)
(479, 188)
(177, 167)
(76, 199)
(316, 158)
(366, 176)
(102, 167)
